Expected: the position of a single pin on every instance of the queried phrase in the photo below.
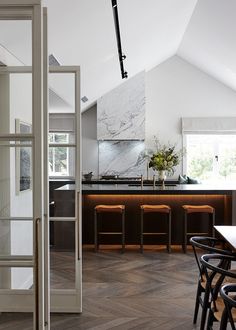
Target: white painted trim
(68, 301)
(21, 300)
(20, 3)
(45, 176)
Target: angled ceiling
(210, 40)
(81, 32)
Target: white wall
(21, 204)
(174, 89)
(89, 141)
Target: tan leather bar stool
(188, 209)
(109, 209)
(156, 209)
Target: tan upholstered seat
(155, 208)
(109, 208)
(198, 208)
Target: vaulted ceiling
(81, 32)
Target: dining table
(228, 233)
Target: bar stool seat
(188, 209)
(198, 208)
(147, 208)
(109, 208)
(155, 208)
(99, 209)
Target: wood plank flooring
(155, 290)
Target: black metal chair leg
(169, 233)
(197, 303)
(95, 232)
(123, 231)
(141, 233)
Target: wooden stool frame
(211, 231)
(97, 233)
(168, 233)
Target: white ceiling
(210, 39)
(81, 32)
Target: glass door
(64, 197)
(21, 149)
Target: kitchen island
(132, 195)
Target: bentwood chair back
(205, 245)
(217, 267)
(230, 306)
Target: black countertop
(136, 189)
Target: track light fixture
(122, 57)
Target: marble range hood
(121, 112)
(121, 129)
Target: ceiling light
(52, 60)
(84, 99)
(122, 57)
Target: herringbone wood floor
(126, 291)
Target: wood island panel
(221, 203)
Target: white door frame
(70, 300)
(29, 300)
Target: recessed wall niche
(121, 112)
(123, 158)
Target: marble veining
(123, 158)
(121, 112)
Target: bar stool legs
(141, 233)
(123, 231)
(120, 209)
(95, 231)
(188, 209)
(156, 209)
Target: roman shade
(61, 122)
(209, 125)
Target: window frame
(67, 145)
(215, 146)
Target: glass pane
(16, 278)
(16, 100)
(227, 158)
(16, 198)
(62, 161)
(211, 157)
(62, 254)
(61, 93)
(200, 155)
(16, 238)
(16, 41)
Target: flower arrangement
(165, 158)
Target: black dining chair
(229, 313)
(205, 245)
(218, 271)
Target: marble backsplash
(123, 158)
(121, 112)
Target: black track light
(122, 57)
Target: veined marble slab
(121, 112)
(124, 158)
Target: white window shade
(61, 122)
(213, 125)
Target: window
(58, 156)
(211, 158)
